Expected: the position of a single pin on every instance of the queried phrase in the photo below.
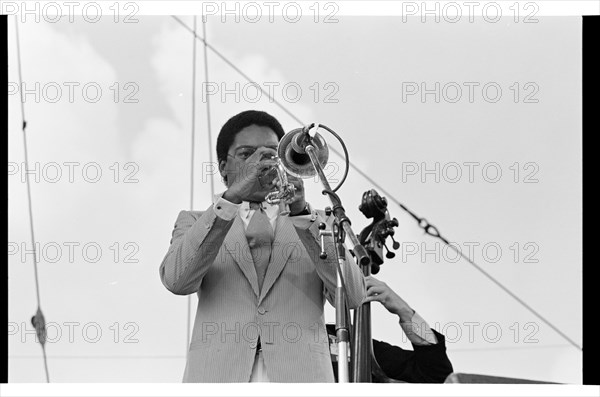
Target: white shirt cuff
(304, 221)
(225, 209)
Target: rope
(212, 187)
(37, 320)
(193, 145)
(515, 297)
(208, 123)
(232, 65)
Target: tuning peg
(389, 253)
(374, 268)
(396, 244)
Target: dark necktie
(260, 237)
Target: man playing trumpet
(260, 281)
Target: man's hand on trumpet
(298, 202)
(243, 180)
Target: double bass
(364, 366)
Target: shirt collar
(272, 210)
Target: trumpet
(286, 190)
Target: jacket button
(261, 310)
(252, 345)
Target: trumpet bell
(297, 163)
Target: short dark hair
(240, 121)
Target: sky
(474, 126)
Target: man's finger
(267, 163)
(373, 298)
(262, 151)
(375, 289)
(374, 281)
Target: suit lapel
(237, 246)
(284, 244)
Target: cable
(189, 298)
(228, 62)
(212, 188)
(346, 156)
(429, 229)
(208, 123)
(514, 296)
(193, 118)
(38, 320)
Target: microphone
(292, 151)
(301, 140)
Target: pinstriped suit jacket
(210, 256)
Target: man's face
(245, 143)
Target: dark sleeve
(426, 364)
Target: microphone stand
(341, 229)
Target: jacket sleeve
(195, 242)
(327, 268)
(426, 364)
